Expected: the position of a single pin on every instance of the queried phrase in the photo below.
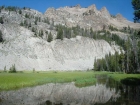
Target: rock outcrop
(88, 17)
(28, 52)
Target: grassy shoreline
(11, 81)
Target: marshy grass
(119, 76)
(18, 80)
(10, 81)
(85, 82)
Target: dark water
(105, 92)
(129, 91)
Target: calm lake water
(105, 92)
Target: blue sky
(114, 6)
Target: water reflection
(129, 91)
(68, 94)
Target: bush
(12, 69)
(33, 70)
(55, 72)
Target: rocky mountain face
(87, 17)
(25, 33)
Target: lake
(105, 92)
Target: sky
(123, 7)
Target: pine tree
(1, 39)
(139, 52)
(36, 20)
(95, 65)
(136, 6)
(47, 21)
(41, 33)
(50, 38)
(33, 29)
(121, 62)
(29, 25)
(1, 20)
(12, 69)
(20, 12)
(60, 34)
(127, 49)
(26, 15)
(21, 24)
(39, 19)
(35, 34)
(46, 32)
(4, 68)
(25, 23)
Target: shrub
(33, 70)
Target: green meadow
(10, 81)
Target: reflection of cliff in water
(60, 93)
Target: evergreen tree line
(10, 8)
(67, 32)
(71, 32)
(112, 63)
(127, 30)
(12, 69)
(124, 29)
(112, 28)
(26, 24)
(40, 33)
(128, 61)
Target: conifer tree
(136, 6)
(1, 39)
(20, 12)
(60, 34)
(1, 20)
(50, 38)
(41, 33)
